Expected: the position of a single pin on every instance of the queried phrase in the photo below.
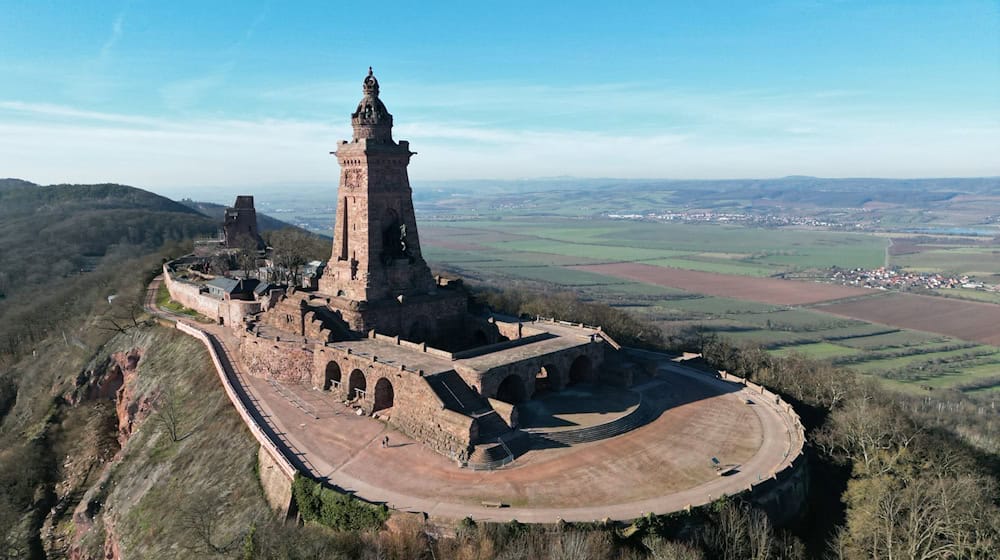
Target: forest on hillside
(69, 243)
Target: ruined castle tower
(376, 273)
(241, 223)
(376, 250)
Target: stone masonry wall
(416, 318)
(234, 312)
(416, 409)
(281, 361)
(189, 295)
(557, 365)
(275, 483)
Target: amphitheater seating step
(641, 415)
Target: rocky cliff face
(131, 407)
(107, 401)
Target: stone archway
(581, 371)
(511, 390)
(547, 379)
(383, 395)
(356, 384)
(393, 237)
(331, 378)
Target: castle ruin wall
(190, 295)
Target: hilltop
(53, 232)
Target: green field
(711, 248)
(541, 252)
(817, 350)
(980, 262)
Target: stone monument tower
(376, 269)
(376, 250)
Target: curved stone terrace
(662, 466)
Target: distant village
(898, 279)
(743, 218)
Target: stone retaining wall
(274, 455)
(784, 494)
(233, 312)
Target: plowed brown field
(967, 320)
(764, 290)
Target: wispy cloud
(117, 27)
(54, 143)
(49, 110)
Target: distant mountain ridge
(11, 183)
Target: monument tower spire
(376, 251)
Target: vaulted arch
(356, 384)
(511, 390)
(331, 377)
(547, 379)
(383, 394)
(581, 371)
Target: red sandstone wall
(255, 429)
(414, 401)
(283, 361)
(189, 295)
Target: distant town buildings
(898, 279)
(742, 218)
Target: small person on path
(385, 441)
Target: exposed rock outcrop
(117, 380)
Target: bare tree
(247, 255)
(869, 432)
(289, 253)
(740, 532)
(200, 523)
(170, 414)
(125, 314)
(662, 549)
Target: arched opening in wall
(393, 237)
(547, 379)
(581, 371)
(511, 390)
(331, 378)
(383, 394)
(356, 385)
(479, 338)
(420, 329)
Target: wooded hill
(63, 241)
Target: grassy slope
(161, 490)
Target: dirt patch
(961, 319)
(765, 290)
(905, 247)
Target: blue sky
(174, 94)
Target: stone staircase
(493, 455)
(485, 455)
(641, 415)
(491, 426)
